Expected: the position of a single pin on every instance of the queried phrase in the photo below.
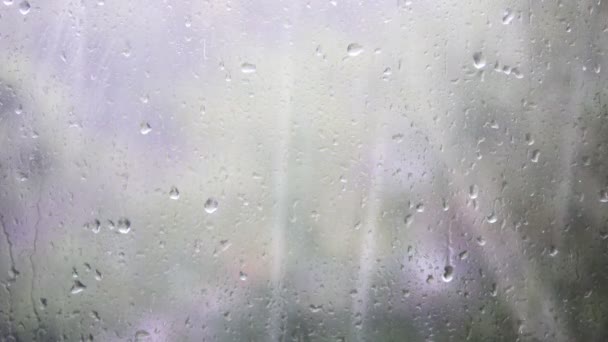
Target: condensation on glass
(303, 170)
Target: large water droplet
(24, 7)
(479, 61)
(248, 68)
(124, 225)
(354, 49)
(448, 274)
(211, 205)
(8, 2)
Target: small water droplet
(448, 274)
(141, 335)
(534, 156)
(24, 7)
(473, 191)
(408, 220)
(354, 49)
(492, 218)
(77, 287)
(248, 68)
(604, 196)
(481, 241)
(124, 225)
(420, 207)
(463, 255)
(315, 308)
(145, 128)
(507, 17)
(242, 276)
(211, 205)
(174, 193)
(8, 2)
(479, 61)
(553, 251)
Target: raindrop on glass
(492, 218)
(211, 205)
(248, 68)
(479, 61)
(24, 7)
(534, 156)
(124, 225)
(354, 49)
(174, 193)
(448, 274)
(604, 196)
(77, 287)
(145, 128)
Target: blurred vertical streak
(280, 169)
(370, 205)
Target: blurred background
(315, 170)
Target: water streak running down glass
(316, 170)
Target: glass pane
(303, 170)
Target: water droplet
(77, 287)
(242, 276)
(492, 218)
(141, 335)
(529, 139)
(448, 274)
(494, 290)
(473, 191)
(481, 241)
(8, 2)
(24, 7)
(420, 207)
(604, 196)
(211, 205)
(124, 225)
(408, 220)
(354, 49)
(98, 275)
(553, 251)
(315, 308)
(110, 224)
(479, 61)
(507, 17)
(534, 156)
(145, 128)
(174, 193)
(248, 68)
(463, 255)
